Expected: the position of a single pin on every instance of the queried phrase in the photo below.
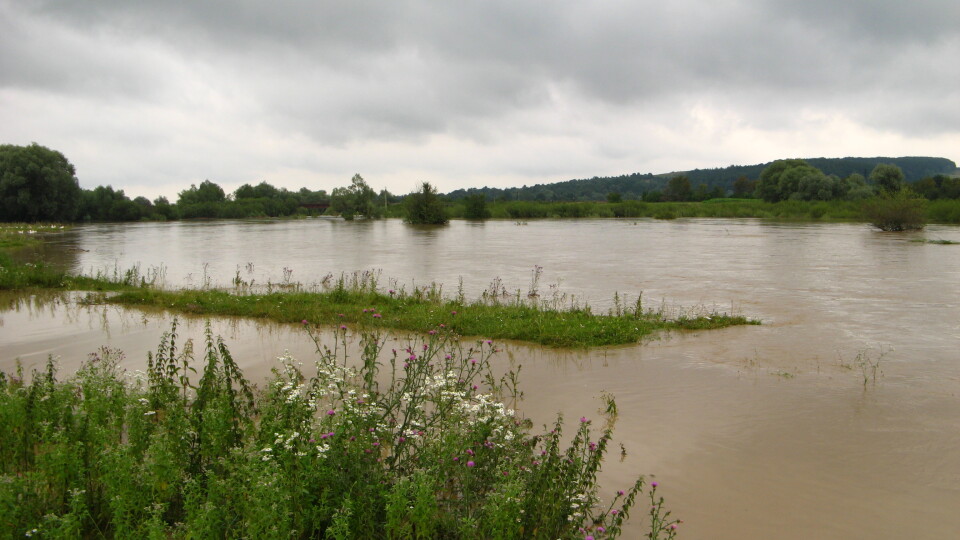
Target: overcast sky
(151, 96)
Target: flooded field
(839, 417)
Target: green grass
(420, 443)
(368, 309)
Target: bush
(419, 446)
(900, 211)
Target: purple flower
(413, 357)
(377, 316)
(469, 452)
(343, 327)
(432, 332)
(654, 484)
(470, 464)
(583, 419)
(453, 312)
(620, 492)
(331, 412)
(391, 291)
(304, 321)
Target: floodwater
(839, 417)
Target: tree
(896, 211)
(208, 192)
(37, 184)
(614, 197)
(743, 187)
(424, 207)
(793, 179)
(678, 189)
(887, 177)
(475, 206)
(357, 198)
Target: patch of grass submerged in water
(370, 309)
(418, 445)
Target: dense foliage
(636, 186)
(37, 184)
(424, 207)
(418, 443)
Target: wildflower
(614, 512)
(442, 325)
(432, 332)
(588, 537)
(304, 322)
(489, 342)
(453, 312)
(413, 357)
(377, 316)
(673, 527)
(391, 291)
(447, 357)
(654, 484)
(331, 412)
(620, 492)
(470, 464)
(469, 452)
(473, 361)
(343, 327)
(583, 419)
(601, 529)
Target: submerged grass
(370, 309)
(357, 301)
(419, 443)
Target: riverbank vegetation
(38, 184)
(358, 301)
(417, 443)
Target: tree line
(40, 184)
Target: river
(838, 417)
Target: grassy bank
(359, 303)
(419, 443)
(365, 307)
(423, 313)
(939, 211)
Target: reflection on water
(753, 432)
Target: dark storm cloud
(604, 85)
(412, 67)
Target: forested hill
(633, 186)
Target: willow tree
(425, 207)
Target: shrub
(417, 443)
(900, 211)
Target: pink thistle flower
(343, 327)
(654, 484)
(620, 492)
(470, 464)
(377, 316)
(453, 312)
(442, 325)
(331, 412)
(583, 419)
(469, 452)
(432, 332)
(304, 321)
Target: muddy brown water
(752, 432)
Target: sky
(152, 96)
